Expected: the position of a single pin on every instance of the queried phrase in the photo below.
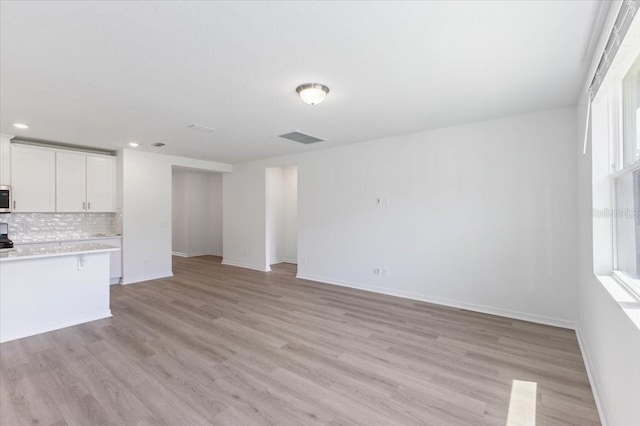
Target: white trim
(593, 381)
(54, 326)
(246, 266)
(198, 253)
(621, 295)
(609, 19)
(587, 124)
(97, 152)
(624, 281)
(292, 261)
(628, 169)
(524, 316)
(134, 280)
(180, 254)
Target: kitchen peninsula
(44, 288)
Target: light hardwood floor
(223, 345)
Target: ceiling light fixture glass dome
(312, 93)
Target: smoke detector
(200, 128)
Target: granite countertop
(35, 251)
(66, 239)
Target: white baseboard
(593, 380)
(180, 254)
(6, 337)
(134, 280)
(556, 322)
(244, 265)
(292, 261)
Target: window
(626, 181)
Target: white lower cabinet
(116, 258)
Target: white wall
(289, 247)
(178, 212)
(282, 207)
(273, 213)
(5, 159)
(243, 217)
(609, 339)
(197, 213)
(146, 209)
(479, 216)
(215, 214)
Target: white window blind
(627, 12)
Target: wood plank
(221, 345)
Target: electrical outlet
(385, 272)
(376, 270)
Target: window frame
(618, 168)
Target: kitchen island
(44, 288)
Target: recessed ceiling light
(133, 144)
(158, 144)
(312, 93)
(20, 126)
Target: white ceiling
(102, 74)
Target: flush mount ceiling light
(133, 144)
(20, 126)
(312, 93)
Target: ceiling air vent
(300, 138)
(200, 128)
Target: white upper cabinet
(85, 182)
(101, 184)
(55, 180)
(71, 186)
(33, 177)
(5, 159)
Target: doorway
(282, 215)
(196, 219)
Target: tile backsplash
(40, 227)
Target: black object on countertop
(5, 242)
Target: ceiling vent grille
(200, 128)
(300, 138)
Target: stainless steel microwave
(5, 199)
